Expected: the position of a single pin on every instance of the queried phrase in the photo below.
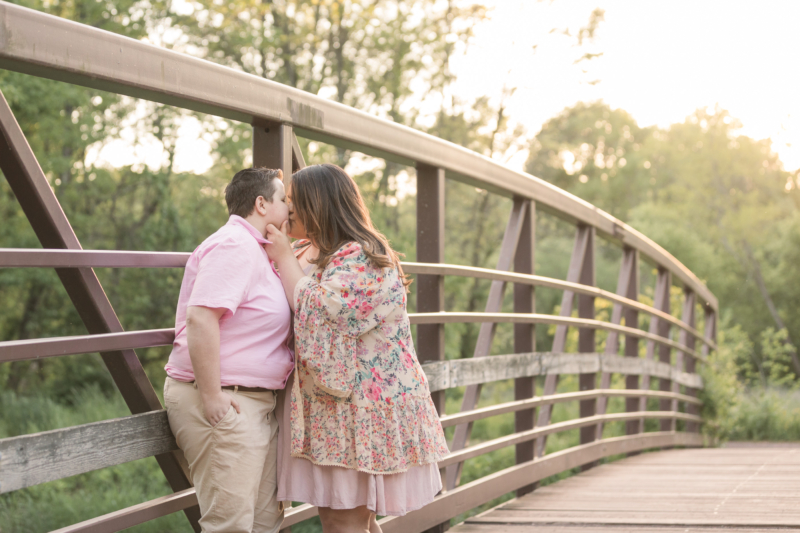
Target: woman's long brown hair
(328, 203)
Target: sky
(661, 61)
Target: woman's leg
(373, 524)
(346, 520)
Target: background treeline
(720, 202)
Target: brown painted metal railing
(42, 45)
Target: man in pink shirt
(229, 357)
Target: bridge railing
(658, 363)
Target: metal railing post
(484, 343)
(628, 287)
(684, 361)
(525, 334)
(430, 249)
(584, 246)
(272, 147)
(587, 341)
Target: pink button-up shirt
(231, 270)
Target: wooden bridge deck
(737, 488)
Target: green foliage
(777, 359)
(766, 414)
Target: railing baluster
(486, 335)
(627, 286)
(587, 342)
(657, 327)
(584, 239)
(525, 334)
(682, 362)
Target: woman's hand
(280, 248)
(280, 251)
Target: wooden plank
(478, 492)
(568, 528)
(464, 372)
(743, 489)
(32, 459)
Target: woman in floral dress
(365, 437)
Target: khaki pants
(233, 465)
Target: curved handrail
(534, 318)
(542, 281)
(47, 258)
(537, 401)
(44, 45)
(532, 434)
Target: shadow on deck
(742, 487)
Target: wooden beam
(466, 372)
(40, 457)
(485, 489)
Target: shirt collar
(236, 220)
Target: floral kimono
(360, 399)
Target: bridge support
(52, 228)
(430, 249)
(628, 287)
(525, 334)
(581, 270)
(483, 345)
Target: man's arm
(202, 336)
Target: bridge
(682, 485)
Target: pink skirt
(301, 480)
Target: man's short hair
(247, 185)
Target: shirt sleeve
(223, 277)
(351, 298)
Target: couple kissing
(293, 375)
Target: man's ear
(261, 206)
